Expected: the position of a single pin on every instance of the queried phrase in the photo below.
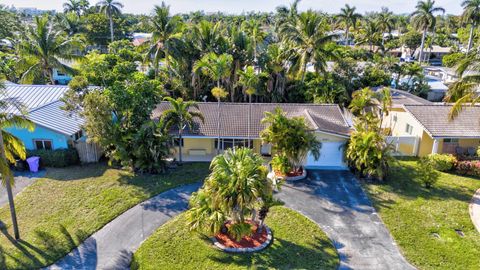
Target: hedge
(442, 162)
(56, 158)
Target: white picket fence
(404, 145)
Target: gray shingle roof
(435, 120)
(400, 98)
(234, 118)
(43, 105)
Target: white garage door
(331, 157)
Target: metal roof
(43, 106)
(53, 117)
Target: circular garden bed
(297, 243)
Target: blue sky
(237, 6)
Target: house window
(177, 141)
(409, 129)
(43, 144)
(230, 143)
(450, 140)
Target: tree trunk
(346, 34)
(249, 118)
(111, 26)
(422, 45)
(218, 121)
(180, 145)
(8, 182)
(470, 38)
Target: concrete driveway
(335, 201)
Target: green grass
(58, 212)
(423, 221)
(298, 244)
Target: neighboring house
(54, 128)
(433, 130)
(199, 144)
(61, 78)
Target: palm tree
(44, 48)
(218, 93)
(180, 115)
(167, 31)
(370, 33)
(471, 14)
(253, 30)
(350, 18)
(216, 67)
(110, 8)
(236, 186)
(464, 90)
(385, 22)
(249, 80)
(423, 19)
(73, 6)
(308, 38)
(11, 147)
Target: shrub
(450, 60)
(442, 162)
(427, 172)
(471, 168)
(281, 164)
(56, 158)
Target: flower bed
(471, 168)
(254, 242)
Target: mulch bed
(294, 173)
(255, 240)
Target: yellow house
(434, 131)
(238, 127)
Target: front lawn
(298, 244)
(58, 212)
(424, 221)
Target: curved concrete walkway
(112, 246)
(475, 209)
(335, 201)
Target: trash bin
(33, 163)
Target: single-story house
(54, 128)
(199, 144)
(434, 131)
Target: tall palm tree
(249, 80)
(254, 31)
(73, 6)
(167, 31)
(308, 38)
(110, 8)
(43, 49)
(217, 67)
(423, 19)
(11, 147)
(385, 22)
(349, 17)
(180, 115)
(471, 14)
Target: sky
(237, 6)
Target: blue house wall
(59, 140)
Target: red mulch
(291, 173)
(255, 240)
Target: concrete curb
(245, 250)
(474, 208)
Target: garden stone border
(245, 250)
(297, 178)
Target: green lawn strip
(298, 244)
(423, 221)
(58, 212)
